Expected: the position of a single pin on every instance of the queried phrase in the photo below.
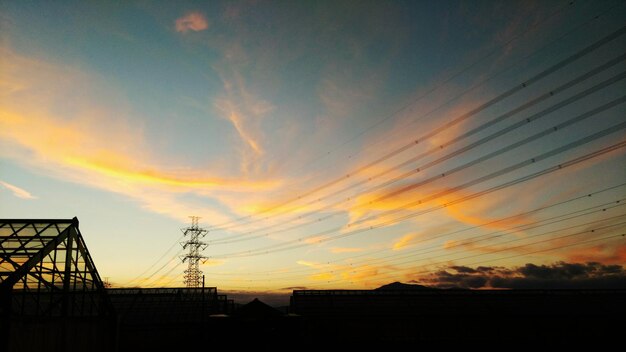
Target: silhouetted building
(163, 317)
(460, 315)
(53, 299)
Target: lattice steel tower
(194, 233)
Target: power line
(618, 236)
(437, 86)
(511, 91)
(173, 259)
(129, 283)
(501, 234)
(176, 267)
(387, 275)
(152, 266)
(423, 167)
(447, 261)
(492, 235)
(297, 242)
(543, 208)
(592, 19)
(446, 234)
(167, 283)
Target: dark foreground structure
(430, 315)
(155, 318)
(52, 299)
(51, 295)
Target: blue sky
(134, 116)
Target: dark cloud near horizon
(560, 275)
(295, 288)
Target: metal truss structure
(46, 271)
(193, 274)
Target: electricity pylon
(194, 233)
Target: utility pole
(194, 234)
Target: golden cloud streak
(403, 242)
(48, 126)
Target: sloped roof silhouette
(257, 309)
(46, 270)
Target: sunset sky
(330, 144)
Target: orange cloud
(86, 149)
(403, 241)
(40, 131)
(361, 272)
(547, 242)
(108, 167)
(311, 264)
(382, 210)
(468, 212)
(193, 21)
(602, 253)
(386, 205)
(322, 277)
(17, 191)
(365, 274)
(450, 244)
(313, 240)
(345, 250)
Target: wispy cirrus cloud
(17, 191)
(74, 145)
(192, 21)
(244, 111)
(243, 107)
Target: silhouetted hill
(399, 286)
